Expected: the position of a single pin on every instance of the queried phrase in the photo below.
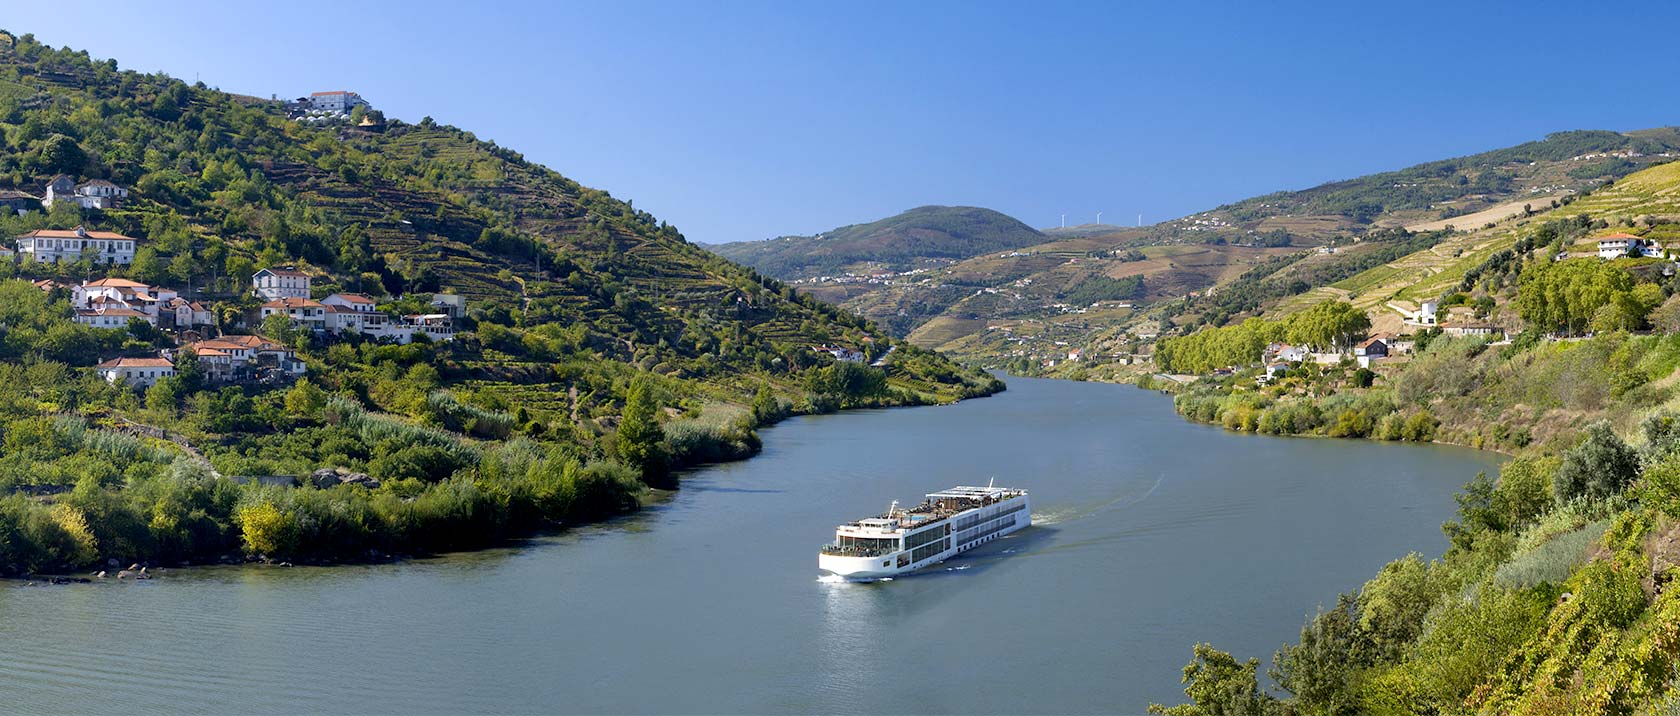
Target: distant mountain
(918, 238)
(1036, 299)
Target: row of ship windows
(977, 533)
(920, 538)
(929, 550)
(973, 520)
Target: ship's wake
(1078, 512)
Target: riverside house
(138, 372)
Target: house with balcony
(303, 312)
(51, 246)
(277, 283)
(247, 359)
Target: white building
(303, 312)
(91, 194)
(453, 304)
(1426, 314)
(1618, 245)
(277, 283)
(116, 317)
(336, 101)
(123, 293)
(142, 372)
(242, 357)
(188, 314)
(435, 326)
(57, 245)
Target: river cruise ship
(946, 524)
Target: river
(1151, 534)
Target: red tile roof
(71, 234)
(290, 302)
(137, 363)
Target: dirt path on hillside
(1471, 222)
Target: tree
(1219, 686)
(266, 530)
(640, 440)
(162, 397)
(1565, 295)
(1328, 325)
(1321, 670)
(147, 267)
(1599, 467)
(189, 375)
(305, 400)
(61, 154)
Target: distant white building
(187, 314)
(453, 304)
(277, 283)
(141, 372)
(58, 245)
(1618, 245)
(110, 317)
(302, 311)
(436, 326)
(336, 101)
(1426, 314)
(91, 194)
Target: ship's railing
(839, 551)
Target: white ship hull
(959, 533)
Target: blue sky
(747, 120)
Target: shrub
(1600, 466)
(1551, 562)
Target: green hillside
(1257, 251)
(1556, 595)
(600, 350)
(918, 238)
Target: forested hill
(578, 305)
(921, 237)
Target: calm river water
(1152, 534)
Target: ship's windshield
(868, 544)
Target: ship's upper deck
(936, 508)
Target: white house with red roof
(58, 245)
(241, 357)
(110, 316)
(303, 312)
(277, 283)
(141, 372)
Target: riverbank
(502, 491)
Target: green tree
(305, 400)
(189, 375)
(163, 396)
(1322, 669)
(1565, 295)
(640, 441)
(61, 154)
(266, 530)
(1600, 466)
(1218, 685)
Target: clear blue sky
(736, 120)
